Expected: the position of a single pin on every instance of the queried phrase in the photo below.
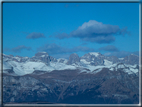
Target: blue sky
(61, 29)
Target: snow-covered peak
(17, 58)
(94, 53)
(120, 58)
(26, 57)
(41, 54)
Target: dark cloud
(56, 49)
(94, 31)
(109, 48)
(100, 39)
(35, 35)
(18, 49)
(121, 54)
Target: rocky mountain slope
(90, 79)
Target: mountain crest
(96, 54)
(74, 58)
(41, 54)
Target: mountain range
(90, 79)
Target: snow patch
(132, 66)
(26, 68)
(84, 61)
(120, 58)
(65, 60)
(42, 56)
(106, 62)
(125, 67)
(94, 53)
(112, 69)
(134, 70)
(17, 58)
(128, 71)
(98, 70)
(6, 65)
(120, 66)
(92, 68)
(61, 66)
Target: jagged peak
(95, 53)
(41, 54)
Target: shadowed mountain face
(74, 58)
(116, 83)
(72, 87)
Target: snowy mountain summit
(94, 53)
(90, 61)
